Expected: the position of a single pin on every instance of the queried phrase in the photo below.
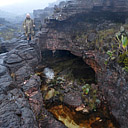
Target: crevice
(73, 95)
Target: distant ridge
(6, 15)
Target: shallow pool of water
(73, 119)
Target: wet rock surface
(66, 97)
(86, 29)
(48, 121)
(15, 108)
(40, 15)
(32, 90)
(73, 99)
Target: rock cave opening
(68, 65)
(71, 93)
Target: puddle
(73, 119)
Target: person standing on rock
(28, 26)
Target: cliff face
(40, 15)
(87, 29)
(74, 7)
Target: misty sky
(23, 6)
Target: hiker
(29, 26)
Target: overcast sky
(23, 6)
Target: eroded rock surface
(86, 29)
(15, 69)
(73, 99)
(49, 121)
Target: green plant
(90, 96)
(125, 68)
(86, 89)
(117, 39)
(106, 62)
(123, 60)
(124, 41)
(111, 54)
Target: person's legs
(27, 33)
(32, 37)
(32, 34)
(28, 38)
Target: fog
(19, 7)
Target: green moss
(126, 61)
(105, 36)
(123, 60)
(81, 38)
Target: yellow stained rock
(50, 94)
(72, 119)
(80, 108)
(44, 88)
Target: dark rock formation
(49, 121)
(8, 45)
(14, 108)
(73, 99)
(86, 29)
(21, 100)
(40, 15)
(74, 7)
(16, 111)
(32, 90)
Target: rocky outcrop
(8, 45)
(15, 110)
(74, 7)
(40, 15)
(21, 101)
(49, 121)
(15, 71)
(86, 29)
(73, 99)
(32, 90)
